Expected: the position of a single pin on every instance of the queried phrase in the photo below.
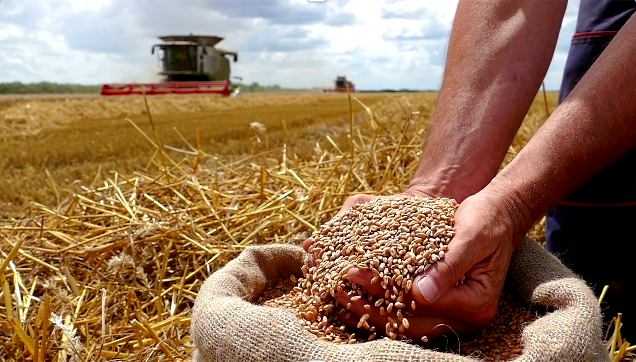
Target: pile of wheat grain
(395, 239)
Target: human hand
(487, 234)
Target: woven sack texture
(227, 326)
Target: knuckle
(454, 270)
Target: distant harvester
(190, 64)
(341, 84)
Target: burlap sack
(227, 327)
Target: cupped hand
(486, 236)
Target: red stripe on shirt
(594, 33)
(584, 204)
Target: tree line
(47, 88)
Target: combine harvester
(341, 84)
(191, 65)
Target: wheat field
(49, 143)
(110, 228)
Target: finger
(464, 304)
(315, 256)
(372, 284)
(308, 243)
(475, 301)
(444, 274)
(367, 280)
(380, 321)
(363, 310)
(349, 319)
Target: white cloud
(294, 43)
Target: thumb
(443, 275)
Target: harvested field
(79, 138)
(111, 270)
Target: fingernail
(428, 288)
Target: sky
(377, 44)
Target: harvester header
(189, 64)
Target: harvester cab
(189, 64)
(341, 82)
(192, 58)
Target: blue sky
(293, 43)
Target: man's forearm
(590, 130)
(498, 54)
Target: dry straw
(112, 272)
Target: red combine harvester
(190, 65)
(341, 86)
